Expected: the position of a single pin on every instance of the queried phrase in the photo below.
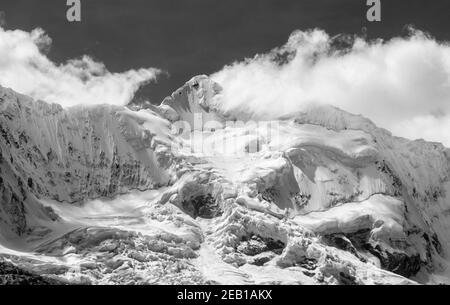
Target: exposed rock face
(390, 259)
(202, 206)
(74, 154)
(321, 197)
(78, 153)
(13, 275)
(256, 245)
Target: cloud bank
(402, 84)
(25, 68)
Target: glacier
(107, 194)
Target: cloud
(402, 84)
(25, 68)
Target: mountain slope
(168, 193)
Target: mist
(402, 84)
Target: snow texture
(104, 194)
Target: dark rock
(204, 206)
(260, 261)
(347, 279)
(12, 275)
(257, 244)
(349, 242)
(397, 262)
(308, 273)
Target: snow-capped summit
(101, 194)
(199, 97)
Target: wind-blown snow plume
(25, 68)
(402, 84)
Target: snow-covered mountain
(185, 192)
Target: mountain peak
(321, 186)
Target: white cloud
(402, 84)
(25, 68)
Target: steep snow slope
(383, 190)
(321, 196)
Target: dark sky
(189, 37)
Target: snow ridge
(99, 194)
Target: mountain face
(186, 193)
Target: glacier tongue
(104, 194)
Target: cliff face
(321, 196)
(75, 154)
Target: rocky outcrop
(13, 275)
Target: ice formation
(106, 194)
